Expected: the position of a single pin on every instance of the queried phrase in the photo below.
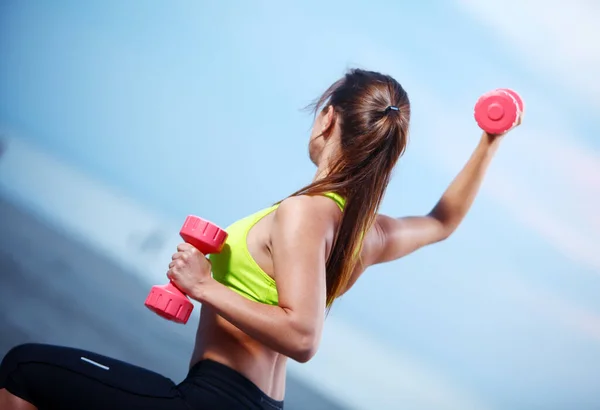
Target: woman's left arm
(397, 237)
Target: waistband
(237, 382)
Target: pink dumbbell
(498, 111)
(167, 300)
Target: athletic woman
(281, 271)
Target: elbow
(305, 348)
(445, 227)
(304, 352)
(446, 232)
(304, 337)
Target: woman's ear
(328, 121)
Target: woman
(280, 272)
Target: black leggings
(62, 378)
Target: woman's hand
(491, 137)
(189, 269)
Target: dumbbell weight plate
(203, 235)
(497, 111)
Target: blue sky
(195, 107)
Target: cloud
(556, 37)
(550, 306)
(561, 200)
(97, 215)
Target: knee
(16, 376)
(18, 354)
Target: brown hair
(373, 137)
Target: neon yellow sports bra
(235, 268)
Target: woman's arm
(398, 237)
(302, 229)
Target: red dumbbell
(498, 111)
(167, 300)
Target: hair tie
(391, 107)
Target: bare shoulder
(316, 208)
(308, 215)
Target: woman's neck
(322, 171)
(325, 162)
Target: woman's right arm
(303, 229)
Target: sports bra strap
(339, 200)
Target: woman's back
(219, 340)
